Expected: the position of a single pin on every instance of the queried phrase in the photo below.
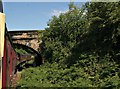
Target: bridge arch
(38, 59)
(25, 47)
(27, 37)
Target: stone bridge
(28, 38)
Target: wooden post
(2, 33)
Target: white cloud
(58, 12)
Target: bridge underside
(31, 55)
(30, 43)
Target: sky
(32, 15)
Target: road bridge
(27, 37)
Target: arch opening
(37, 57)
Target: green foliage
(23, 50)
(92, 29)
(82, 49)
(20, 51)
(40, 35)
(62, 35)
(54, 75)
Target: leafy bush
(20, 51)
(81, 48)
(52, 75)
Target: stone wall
(28, 38)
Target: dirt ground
(16, 77)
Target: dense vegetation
(81, 49)
(23, 49)
(20, 51)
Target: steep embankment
(81, 49)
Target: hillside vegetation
(81, 48)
